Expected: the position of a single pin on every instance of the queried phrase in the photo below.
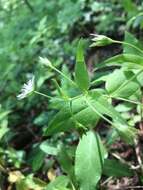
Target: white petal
(26, 89)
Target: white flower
(27, 89)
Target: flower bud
(100, 40)
(45, 61)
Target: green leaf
(116, 169)
(3, 114)
(59, 183)
(20, 185)
(3, 131)
(129, 38)
(42, 118)
(30, 182)
(130, 7)
(112, 136)
(124, 107)
(99, 104)
(64, 120)
(69, 14)
(120, 84)
(126, 60)
(48, 149)
(81, 73)
(90, 155)
(65, 161)
(36, 158)
(86, 111)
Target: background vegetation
(37, 151)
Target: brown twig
(137, 143)
(130, 187)
(125, 162)
(106, 181)
(138, 153)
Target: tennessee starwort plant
(91, 103)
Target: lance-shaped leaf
(129, 38)
(65, 120)
(127, 60)
(66, 163)
(81, 73)
(100, 105)
(48, 149)
(90, 155)
(87, 111)
(59, 183)
(122, 83)
(116, 169)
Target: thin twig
(127, 188)
(29, 5)
(124, 162)
(106, 181)
(130, 187)
(138, 154)
(37, 138)
(137, 144)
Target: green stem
(73, 117)
(73, 188)
(128, 81)
(39, 93)
(62, 74)
(76, 97)
(127, 100)
(124, 99)
(49, 97)
(71, 111)
(98, 113)
(128, 44)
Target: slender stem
(50, 97)
(58, 88)
(61, 73)
(39, 93)
(127, 82)
(76, 97)
(73, 188)
(124, 99)
(128, 44)
(98, 113)
(29, 5)
(2, 169)
(138, 154)
(108, 96)
(139, 148)
(47, 63)
(106, 181)
(127, 100)
(73, 117)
